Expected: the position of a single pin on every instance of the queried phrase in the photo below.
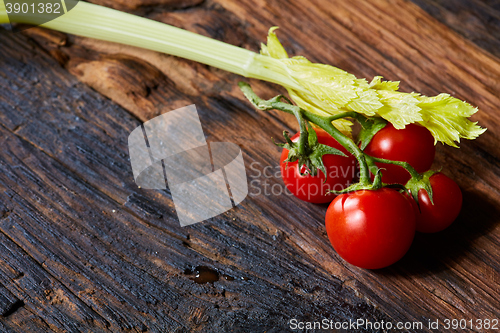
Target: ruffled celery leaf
(446, 118)
(328, 90)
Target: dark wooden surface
(82, 249)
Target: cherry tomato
(447, 199)
(371, 228)
(340, 169)
(413, 144)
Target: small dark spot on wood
(18, 276)
(16, 129)
(4, 214)
(203, 274)
(142, 328)
(228, 278)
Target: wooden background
(82, 249)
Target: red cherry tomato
(413, 144)
(371, 229)
(340, 170)
(447, 199)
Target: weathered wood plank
(362, 40)
(476, 20)
(65, 176)
(23, 319)
(138, 255)
(39, 291)
(8, 302)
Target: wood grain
(8, 302)
(476, 20)
(112, 256)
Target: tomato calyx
(363, 185)
(308, 153)
(369, 127)
(422, 182)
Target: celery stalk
(94, 21)
(317, 88)
(3, 13)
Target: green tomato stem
(324, 122)
(414, 174)
(303, 139)
(345, 141)
(348, 114)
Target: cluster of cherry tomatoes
(375, 228)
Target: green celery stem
(94, 21)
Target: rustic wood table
(83, 249)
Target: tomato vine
(365, 161)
